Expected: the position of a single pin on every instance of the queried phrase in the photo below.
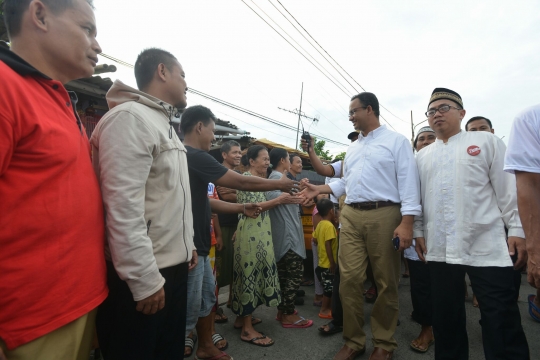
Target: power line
(267, 23)
(330, 56)
(300, 46)
(254, 114)
(235, 107)
(263, 19)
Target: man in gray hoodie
(142, 169)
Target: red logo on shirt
(473, 150)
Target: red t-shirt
(52, 266)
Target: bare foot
(252, 334)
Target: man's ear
(39, 14)
(162, 72)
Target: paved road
(292, 344)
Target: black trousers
(502, 333)
(125, 333)
(337, 308)
(420, 292)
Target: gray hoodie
(142, 169)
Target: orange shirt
(52, 265)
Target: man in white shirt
(382, 188)
(523, 159)
(467, 200)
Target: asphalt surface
(292, 344)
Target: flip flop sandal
(416, 348)
(294, 313)
(217, 357)
(217, 338)
(223, 317)
(190, 343)
(332, 329)
(254, 321)
(296, 325)
(532, 306)
(252, 341)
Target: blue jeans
(201, 294)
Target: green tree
(340, 156)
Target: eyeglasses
(442, 109)
(351, 113)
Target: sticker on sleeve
(473, 150)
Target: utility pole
(412, 131)
(299, 112)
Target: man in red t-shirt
(52, 266)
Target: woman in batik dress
(255, 277)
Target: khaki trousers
(70, 342)
(368, 233)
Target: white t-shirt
(523, 153)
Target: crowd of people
(122, 241)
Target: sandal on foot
(332, 329)
(222, 317)
(253, 341)
(190, 343)
(419, 349)
(217, 357)
(217, 338)
(533, 308)
(254, 321)
(323, 316)
(297, 325)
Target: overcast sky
(487, 51)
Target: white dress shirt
(523, 152)
(467, 200)
(380, 167)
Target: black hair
(368, 99)
(275, 157)
(244, 160)
(324, 206)
(14, 10)
(292, 156)
(193, 115)
(227, 146)
(147, 63)
(474, 118)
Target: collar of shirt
(372, 133)
(18, 64)
(451, 139)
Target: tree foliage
(319, 149)
(340, 156)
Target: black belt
(370, 205)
